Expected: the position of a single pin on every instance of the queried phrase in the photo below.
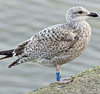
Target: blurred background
(19, 20)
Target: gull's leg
(62, 80)
(58, 75)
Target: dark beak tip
(93, 14)
(96, 15)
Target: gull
(57, 44)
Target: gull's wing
(45, 46)
(49, 42)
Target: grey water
(21, 19)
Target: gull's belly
(77, 49)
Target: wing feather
(51, 42)
(56, 33)
(48, 43)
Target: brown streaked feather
(13, 64)
(19, 52)
(20, 49)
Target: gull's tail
(7, 53)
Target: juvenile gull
(57, 44)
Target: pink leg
(62, 80)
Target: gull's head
(78, 13)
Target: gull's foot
(65, 80)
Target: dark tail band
(7, 53)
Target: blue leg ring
(58, 76)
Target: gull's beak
(92, 14)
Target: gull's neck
(77, 24)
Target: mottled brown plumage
(58, 44)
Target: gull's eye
(80, 12)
